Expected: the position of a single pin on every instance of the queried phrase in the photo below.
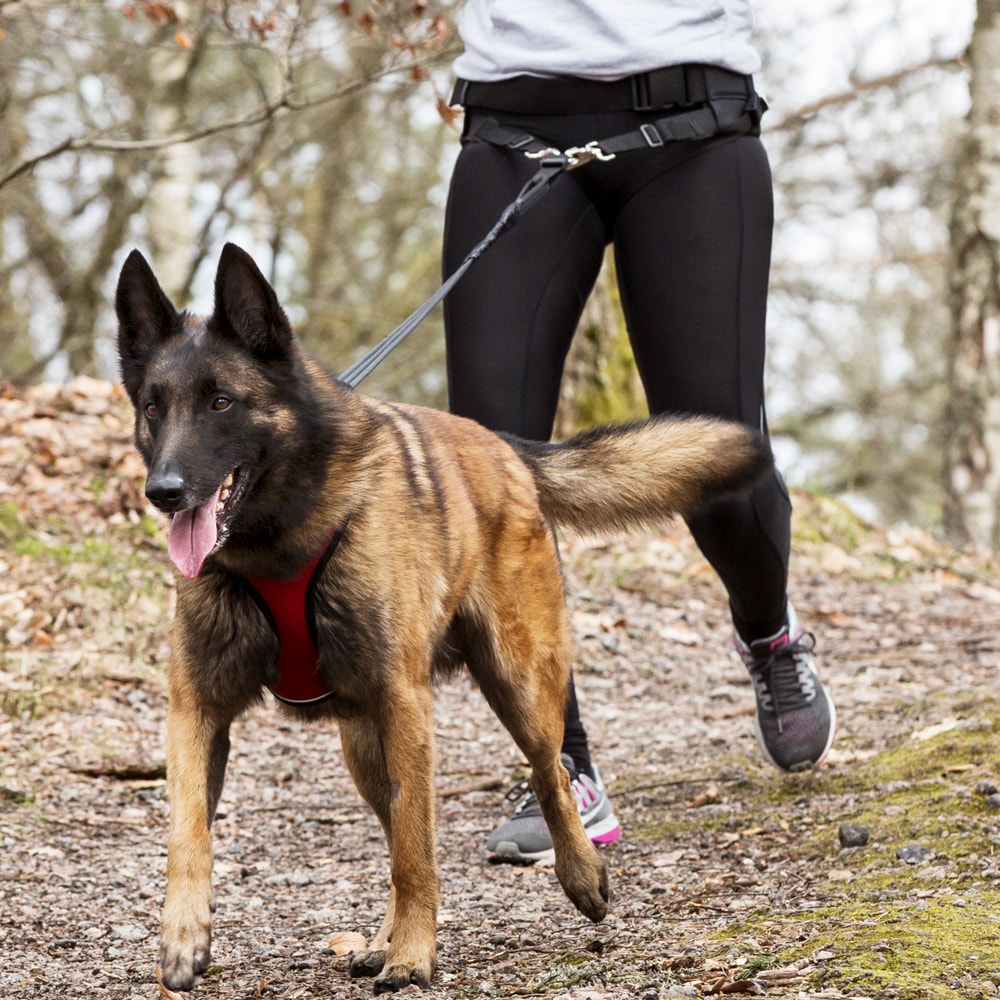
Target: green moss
(98, 486)
(110, 565)
(12, 528)
(899, 945)
(23, 704)
(59, 544)
(612, 393)
(14, 797)
(572, 958)
(601, 384)
(150, 527)
(757, 963)
(572, 970)
(895, 930)
(97, 553)
(822, 519)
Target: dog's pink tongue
(192, 536)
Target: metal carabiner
(575, 156)
(579, 155)
(542, 153)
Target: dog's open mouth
(199, 531)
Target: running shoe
(796, 719)
(525, 837)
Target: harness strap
(701, 123)
(706, 101)
(288, 606)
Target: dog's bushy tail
(633, 475)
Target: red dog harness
(289, 608)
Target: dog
(342, 552)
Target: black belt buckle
(640, 92)
(661, 88)
(649, 133)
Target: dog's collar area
(289, 607)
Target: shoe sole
(605, 832)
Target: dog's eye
(150, 410)
(221, 403)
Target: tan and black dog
(343, 551)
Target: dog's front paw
(363, 964)
(585, 882)
(185, 948)
(398, 977)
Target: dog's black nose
(165, 490)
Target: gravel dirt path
(729, 879)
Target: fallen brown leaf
(347, 942)
(710, 795)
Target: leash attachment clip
(575, 156)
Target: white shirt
(602, 39)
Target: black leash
(552, 166)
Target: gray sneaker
(796, 719)
(525, 837)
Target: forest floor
(729, 879)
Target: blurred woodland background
(317, 135)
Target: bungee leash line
(553, 163)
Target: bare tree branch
(799, 117)
(283, 101)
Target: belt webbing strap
(672, 86)
(701, 123)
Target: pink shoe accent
(607, 838)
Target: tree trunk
(169, 209)
(972, 450)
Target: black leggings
(691, 227)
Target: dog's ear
(146, 317)
(247, 308)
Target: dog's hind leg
(197, 750)
(524, 671)
(537, 728)
(392, 763)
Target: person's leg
(693, 250)
(508, 326)
(693, 254)
(510, 320)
